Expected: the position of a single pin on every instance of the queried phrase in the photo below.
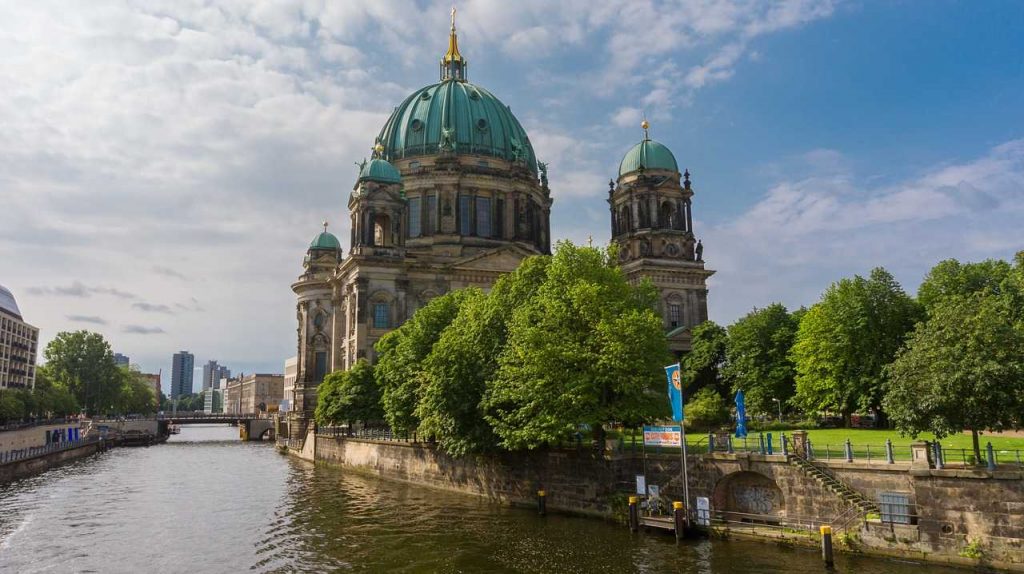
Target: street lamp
(780, 408)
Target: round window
(481, 124)
(425, 95)
(416, 125)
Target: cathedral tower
(652, 226)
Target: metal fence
(17, 455)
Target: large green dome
(473, 119)
(379, 170)
(648, 154)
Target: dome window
(474, 95)
(416, 125)
(425, 96)
(481, 124)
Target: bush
(784, 426)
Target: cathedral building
(454, 196)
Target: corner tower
(652, 226)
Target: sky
(165, 164)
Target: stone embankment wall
(24, 468)
(956, 512)
(30, 437)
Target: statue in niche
(543, 167)
(700, 251)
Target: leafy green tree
(463, 361)
(758, 357)
(135, 395)
(950, 278)
(12, 406)
(400, 354)
(349, 396)
(588, 348)
(962, 369)
(845, 341)
(83, 363)
(706, 410)
(52, 400)
(702, 366)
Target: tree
(588, 348)
(706, 410)
(950, 278)
(758, 357)
(52, 400)
(464, 360)
(83, 363)
(135, 395)
(349, 396)
(400, 354)
(702, 366)
(962, 369)
(845, 341)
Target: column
(689, 216)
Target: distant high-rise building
(181, 374)
(121, 360)
(213, 373)
(18, 342)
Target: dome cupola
(325, 241)
(454, 116)
(379, 170)
(648, 155)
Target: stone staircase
(832, 484)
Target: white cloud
(805, 233)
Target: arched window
(666, 216)
(381, 316)
(625, 220)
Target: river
(206, 502)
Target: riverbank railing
(18, 455)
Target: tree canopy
(950, 278)
(758, 359)
(82, 362)
(349, 396)
(961, 369)
(702, 366)
(588, 348)
(845, 341)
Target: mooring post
(888, 452)
(679, 515)
(826, 545)
(991, 457)
(849, 451)
(634, 513)
(542, 503)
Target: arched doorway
(749, 497)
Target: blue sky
(164, 164)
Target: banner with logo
(661, 436)
(675, 391)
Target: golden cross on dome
(325, 226)
(453, 18)
(645, 124)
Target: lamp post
(780, 408)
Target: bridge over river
(252, 426)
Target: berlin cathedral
(454, 196)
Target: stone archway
(750, 496)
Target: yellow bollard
(542, 504)
(679, 517)
(634, 513)
(826, 545)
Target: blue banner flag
(741, 416)
(675, 391)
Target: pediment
(501, 259)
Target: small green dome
(648, 154)
(326, 241)
(379, 170)
(462, 118)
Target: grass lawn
(829, 443)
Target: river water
(206, 502)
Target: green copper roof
(648, 154)
(325, 241)
(456, 116)
(379, 170)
